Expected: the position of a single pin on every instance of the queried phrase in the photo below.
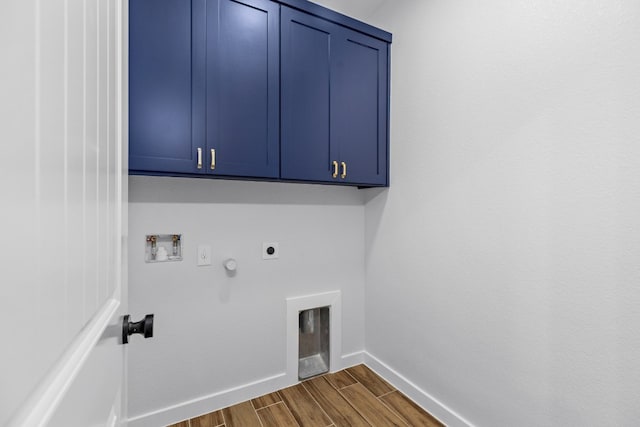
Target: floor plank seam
(253, 404)
(393, 411)
(318, 403)
(335, 386)
(354, 406)
(256, 412)
(400, 418)
(269, 405)
(352, 377)
(330, 382)
(290, 413)
(386, 394)
(310, 402)
(259, 419)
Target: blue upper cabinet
(162, 133)
(243, 88)
(334, 102)
(359, 110)
(204, 87)
(257, 89)
(306, 150)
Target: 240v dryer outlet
(270, 250)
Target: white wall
(503, 264)
(358, 9)
(214, 332)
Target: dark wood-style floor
(353, 397)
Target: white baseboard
(432, 405)
(231, 396)
(212, 402)
(351, 359)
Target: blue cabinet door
(359, 110)
(242, 88)
(204, 87)
(334, 102)
(163, 136)
(305, 148)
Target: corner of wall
(425, 400)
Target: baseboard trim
(222, 399)
(203, 405)
(432, 405)
(351, 359)
(228, 397)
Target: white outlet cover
(265, 250)
(204, 255)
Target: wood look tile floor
(353, 397)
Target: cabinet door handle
(213, 158)
(199, 158)
(335, 169)
(344, 170)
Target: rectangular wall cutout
(307, 347)
(313, 342)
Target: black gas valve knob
(143, 327)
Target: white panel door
(63, 193)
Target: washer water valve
(163, 247)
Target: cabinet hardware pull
(335, 169)
(199, 158)
(344, 170)
(213, 158)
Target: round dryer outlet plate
(270, 250)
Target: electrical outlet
(270, 250)
(204, 255)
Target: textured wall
(503, 264)
(215, 332)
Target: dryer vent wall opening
(313, 342)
